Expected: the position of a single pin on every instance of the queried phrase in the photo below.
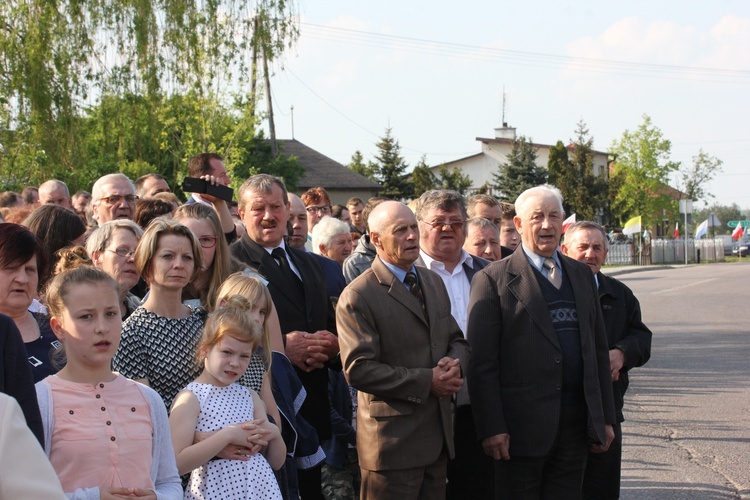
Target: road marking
(683, 286)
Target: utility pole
(269, 103)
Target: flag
(676, 230)
(568, 222)
(633, 226)
(701, 230)
(738, 231)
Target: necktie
(280, 257)
(411, 280)
(553, 274)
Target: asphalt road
(687, 412)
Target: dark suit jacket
(388, 348)
(335, 281)
(515, 377)
(625, 330)
(315, 313)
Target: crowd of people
(284, 347)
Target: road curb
(618, 271)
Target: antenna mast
(505, 124)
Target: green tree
(453, 179)
(154, 51)
(589, 192)
(560, 172)
(357, 164)
(693, 178)
(642, 173)
(724, 213)
(422, 178)
(520, 172)
(392, 169)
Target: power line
(524, 58)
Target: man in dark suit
(403, 352)
(629, 346)
(442, 233)
(539, 381)
(297, 287)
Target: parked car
(741, 249)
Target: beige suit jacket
(388, 349)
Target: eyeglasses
(324, 210)
(441, 224)
(207, 241)
(115, 199)
(123, 252)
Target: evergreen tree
(559, 171)
(422, 178)
(391, 169)
(587, 193)
(358, 165)
(454, 180)
(520, 172)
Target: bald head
(395, 234)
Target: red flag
(738, 231)
(676, 230)
(568, 222)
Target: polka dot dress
(229, 479)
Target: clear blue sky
(434, 72)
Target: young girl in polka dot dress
(105, 435)
(216, 403)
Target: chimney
(505, 132)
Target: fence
(664, 252)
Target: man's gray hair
(444, 199)
(585, 225)
(261, 183)
(326, 230)
(482, 223)
(52, 184)
(99, 237)
(96, 190)
(543, 189)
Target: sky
(436, 71)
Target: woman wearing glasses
(112, 249)
(159, 339)
(217, 260)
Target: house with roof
(341, 182)
(481, 166)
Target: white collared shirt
(288, 257)
(538, 261)
(457, 284)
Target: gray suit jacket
(388, 349)
(515, 377)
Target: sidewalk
(620, 270)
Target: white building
(481, 166)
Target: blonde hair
(71, 258)
(255, 292)
(222, 266)
(149, 243)
(231, 319)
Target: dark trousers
(310, 483)
(418, 483)
(602, 478)
(556, 476)
(471, 475)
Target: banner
(633, 226)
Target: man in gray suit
(404, 353)
(539, 380)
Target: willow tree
(137, 63)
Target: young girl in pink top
(106, 436)
(216, 403)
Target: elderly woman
(160, 338)
(332, 239)
(22, 261)
(111, 247)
